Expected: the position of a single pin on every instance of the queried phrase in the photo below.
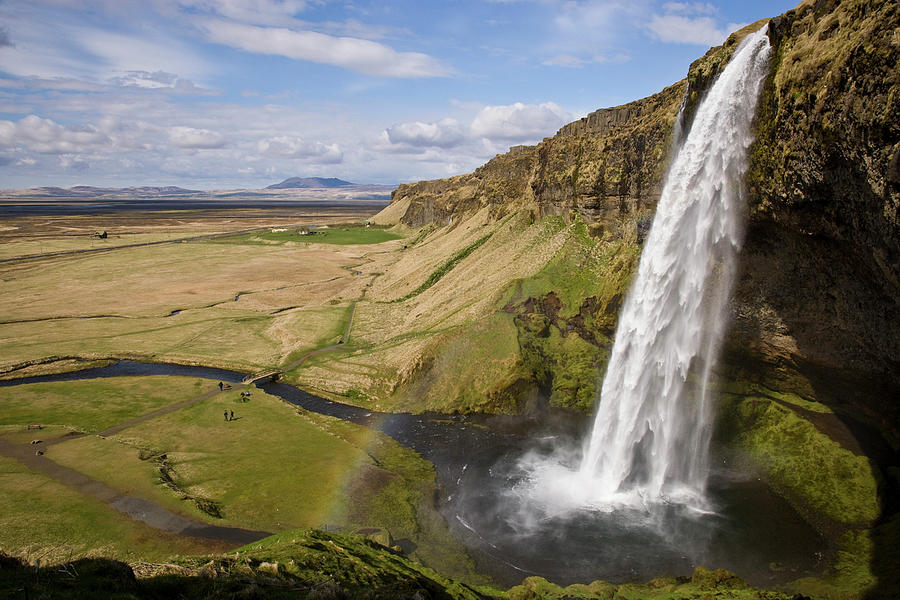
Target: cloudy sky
(213, 94)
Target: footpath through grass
(43, 519)
(273, 467)
(91, 405)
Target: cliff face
(828, 158)
(821, 264)
(605, 166)
(608, 164)
(820, 289)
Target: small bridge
(254, 377)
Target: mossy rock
(828, 484)
(717, 579)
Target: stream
(479, 465)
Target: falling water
(651, 434)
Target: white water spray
(651, 434)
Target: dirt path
(156, 413)
(138, 509)
(293, 365)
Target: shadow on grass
(91, 578)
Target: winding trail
(275, 373)
(136, 508)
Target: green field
(92, 405)
(43, 519)
(343, 236)
(272, 468)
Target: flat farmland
(236, 291)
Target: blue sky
(215, 94)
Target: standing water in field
(651, 434)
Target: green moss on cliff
(566, 313)
(827, 483)
(702, 585)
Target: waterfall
(651, 433)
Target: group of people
(245, 395)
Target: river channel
(748, 530)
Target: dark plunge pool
(746, 528)
(488, 501)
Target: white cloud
(256, 12)
(444, 134)
(580, 17)
(565, 60)
(73, 162)
(155, 80)
(289, 147)
(519, 123)
(48, 45)
(690, 8)
(679, 29)
(492, 129)
(128, 52)
(198, 139)
(690, 23)
(591, 31)
(362, 56)
(48, 137)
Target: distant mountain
(309, 182)
(295, 187)
(87, 191)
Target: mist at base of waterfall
(556, 485)
(521, 510)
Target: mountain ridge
(305, 186)
(310, 182)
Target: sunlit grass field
(342, 236)
(242, 306)
(273, 467)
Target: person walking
(231, 418)
(221, 386)
(226, 415)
